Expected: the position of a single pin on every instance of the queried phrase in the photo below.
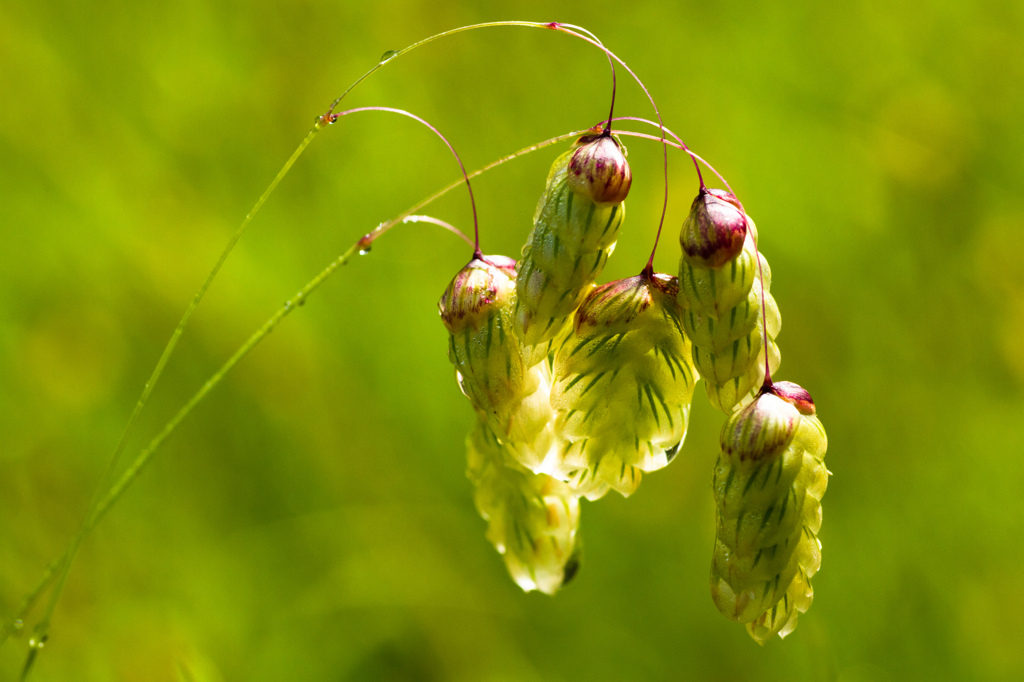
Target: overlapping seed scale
(735, 358)
(714, 291)
(489, 360)
(739, 390)
(570, 243)
(622, 386)
(781, 619)
(722, 317)
(513, 397)
(717, 328)
(768, 516)
(532, 519)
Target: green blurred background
(312, 520)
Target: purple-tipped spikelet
(574, 231)
(714, 231)
(532, 519)
(768, 484)
(720, 294)
(490, 366)
(598, 169)
(622, 386)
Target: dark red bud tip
(715, 229)
(598, 169)
(795, 395)
(483, 284)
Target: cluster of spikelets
(580, 388)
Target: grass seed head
(490, 362)
(598, 169)
(761, 429)
(768, 484)
(722, 315)
(572, 238)
(622, 386)
(532, 519)
(714, 231)
(482, 285)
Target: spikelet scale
(720, 293)
(622, 387)
(573, 235)
(489, 360)
(768, 484)
(532, 519)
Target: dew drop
(364, 251)
(18, 624)
(388, 56)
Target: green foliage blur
(312, 520)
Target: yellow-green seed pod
(622, 386)
(720, 294)
(532, 519)
(768, 484)
(574, 231)
(490, 364)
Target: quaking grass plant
(580, 387)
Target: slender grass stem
(391, 55)
(57, 571)
(60, 569)
(64, 564)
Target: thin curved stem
(611, 109)
(102, 505)
(476, 228)
(376, 233)
(61, 569)
(679, 144)
(326, 119)
(440, 223)
(391, 55)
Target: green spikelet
(622, 386)
(574, 231)
(768, 484)
(490, 365)
(720, 294)
(532, 519)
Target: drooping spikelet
(768, 484)
(574, 231)
(532, 519)
(622, 385)
(720, 294)
(490, 365)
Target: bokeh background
(312, 520)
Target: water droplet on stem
(388, 56)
